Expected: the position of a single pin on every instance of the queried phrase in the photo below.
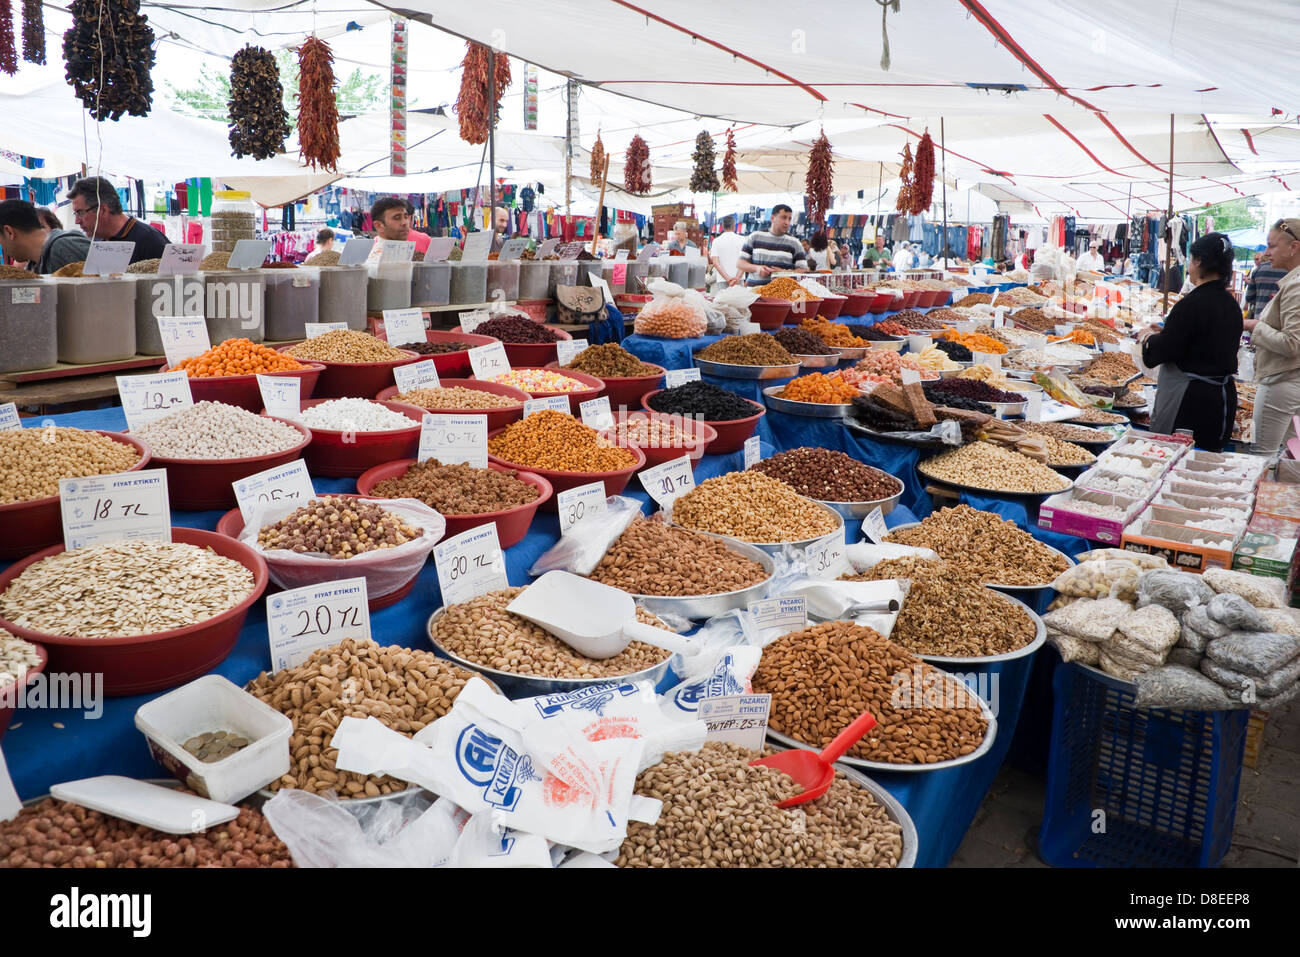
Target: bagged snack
(1152, 628)
(673, 313)
(1113, 666)
(1061, 601)
(1255, 653)
(1176, 686)
(1144, 560)
(1184, 656)
(1284, 621)
(1260, 592)
(1114, 578)
(1235, 613)
(1198, 619)
(1176, 591)
(1074, 649)
(1244, 688)
(1088, 619)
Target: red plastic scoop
(815, 772)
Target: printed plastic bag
(728, 673)
(1235, 613)
(581, 550)
(1198, 619)
(1244, 688)
(484, 843)
(1074, 649)
(1260, 592)
(1176, 591)
(1088, 619)
(1255, 653)
(734, 302)
(1115, 578)
(1177, 686)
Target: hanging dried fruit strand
(124, 85)
(729, 163)
(33, 32)
(703, 177)
(258, 122)
(923, 178)
(8, 53)
(472, 108)
(636, 167)
(318, 114)
(818, 182)
(904, 202)
(597, 161)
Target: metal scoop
(594, 619)
(813, 771)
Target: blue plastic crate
(1164, 781)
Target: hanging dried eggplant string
(8, 54)
(597, 161)
(258, 122)
(704, 179)
(904, 203)
(818, 182)
(729, 163)
(126, 57)
(636, 167)
(472, 107)
(33, 31)
(923, 177)
(318, 113)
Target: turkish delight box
(1279, 500)
(1185, 548)
(1060, 513)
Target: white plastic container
(534, 280)
(562, 274)
(698, 269)
(503, 276)
(468, 283)
(212, 703)
(28, 328)
(389, 286)
(234, 305)
(163, 296)
(96, 319)
(430, 283)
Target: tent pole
(943, 176)
(1169, 216)
(880, 189)
(492, 145)
(604, 179)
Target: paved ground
(1266, 833)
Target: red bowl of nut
(662, 437)
(506, 406)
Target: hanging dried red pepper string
(818, 180)
(923, 178)
(318, 114)
(729, 163)
(636, 167)
(472, 107)
(8, 53)
(33, 32)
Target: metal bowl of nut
(731, 370)
(775, 548)
(1069, 563)
(853, 511)
(1040, 636)
(818, 362)
(700, 607)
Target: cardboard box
(1097, 471)
(1268, 548)
(1055, 514)
(1170, 515)
(1181, 486)
(1278, 499)
(1196, 503)
(1256, 464)
(1211, 474)
(1174, 542)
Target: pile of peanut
(337, 527)
(652, 558)
(984, 466)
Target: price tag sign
(576, 504)
(396, 250)
(477, 247)
(488, 361)
(774, 617)
(284, 483)
(909, 376)
(647, 251)
(1034, 407)
(183, 337)
(179, 259)
(597, 413)
(149, 397)
(599, 283)
(1000, 317)
(301, 620)
(417, 375)
(569, 251)
(620, 272)
(24, 297)
(9, 417)
(555, 403)
(440, 248)
(826, 558)
(281, 395)
(356, 251)
(127, 507)
(739, 718)
(109, 259)
(566, 350)
(621, 255)
(470, 564)
(990, 359)
(546, 248)
(873, 526)
(511, 250)
(249, 253)
(453, 439)
(403, 326)
(314, 329)
(753, 451)
(676, 377)
(469, 321)
(668, 481)
(1036, 342)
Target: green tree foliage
(1238, 214)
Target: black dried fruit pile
(703, 398)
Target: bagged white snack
(1113, 578)
(1144, 560)
(1259, 591)
(1152, 628)
(1285, 621)
(1118, 667)
(1088, 619)
(1256, 653)
(1176, 686)
(1075, 649)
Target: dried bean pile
(482, 631)
(652, 558)
(337, 527)
(829, 476)
(33, 460)
(1066, 432)
(214, 430)
(558, 442)
(1066, 454)
(801, 342)
(403, 688)
(1114, 368)
(974, 299)
(916, 320)
(1100, 417)
(436, 348)
(705, 399)
(58, 834)
(1003, 553)
(459, 489)
(346, 345)
(457, 397)
(968, 388)
(823, 677)
(720, 812)
(759, 349)
(516, 329)
(14, 272)
(753, 507)
(1033, 319)
(611, 361)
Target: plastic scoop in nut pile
(813, 771)
(594, 619)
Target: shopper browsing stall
(767, 252)
(26, 238)
(724, 253)
(98, 211)
(1091, 261)
(1276, 336)
(876, 253)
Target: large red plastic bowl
(358, 380)
(595, 388)
(731, 435)
(534, 354)
(38, 523)
(450, 364)
(831, 306)
(242, 390)
(769, 313)
(935, 297)
(799, 311)
(140, 663)
(614, 481)
(512, 523)
(884, 302)
(344, 454)
(623, 391)
(702, 435)
(199, 484)
(13, 692)
(859, 303)
(496, 418)
(911, 298)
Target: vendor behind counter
(98, 211)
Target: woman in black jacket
(1197, 351)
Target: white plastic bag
(710, 676)
(581, 550)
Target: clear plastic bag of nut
(580, 549)
(1111, 578)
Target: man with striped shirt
(766, 252)
(1261, 287)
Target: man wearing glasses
(98, 211)
(1276, 336)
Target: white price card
(569, 251)
(469, 321)
(127, 507)
(990, 359)
(470, 564)
(281, 395)
(1149, 396)
(403, 326)
(909, 376)
(249, 253)
(24, 296)
(774, 617)
(356, 251)
(599, 283)
(1034, 407)
(1000, 317)
(183, 337)
(453, 439)
(9, 417)
(511, 250)
(149, 397)
(597, 413)
(284, 483)
(556, 403)
(873, 526)
(1036, 342)
(477, 246)
(676, 377)
(396, 250)
(566, 350)
(669, 480)
(440, 248)
(753, 451)
(826, 557)
(621, 255)
(107, 259)
(301, 620)
(314, 329)
(740, 719)
(488, 361)
(416, 375)
(647, 251)
(179, 259)
(576, 504)
(546, 248)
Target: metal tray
(1123, 420)
(1040, 636)
(857, 510)
(995, 491)
(699, 607)
(817, 362)
(897, 438)
(774, 548)
(887, 345)
(729, 370)
(1003, 409)
(851, 352)
(1070, 563)
(811, 410)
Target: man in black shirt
(98, 211)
